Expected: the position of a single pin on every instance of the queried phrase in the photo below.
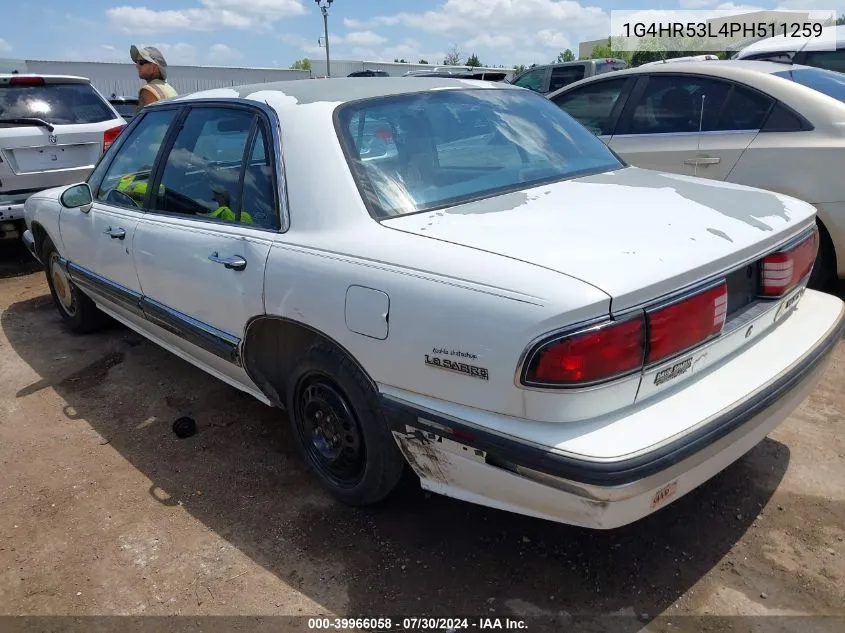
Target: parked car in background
(764, 124)
(480, 75)
(53, 130)
(487, 293)
(687, 58)
(369, 73)
(125, 106)
(551, 77)
(826, 51)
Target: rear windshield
(59, 104)
(421, 151)
(825, 81)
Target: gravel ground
(104, 511)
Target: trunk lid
(635, 234)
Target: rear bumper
(460, 459)
(11, 211)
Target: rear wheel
(340, 430)
(74, 306)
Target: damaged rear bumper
(464, 460)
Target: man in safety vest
(135, 188)
(223, 210)
(152, 68)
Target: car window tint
(673, 104)
(125, 181)
(565, 75)
(829, 60)
(259, 189)
(827, 82)
(420, 151)
(533, 79)
(783, 120)
(59, 104)
(745, 109)
(202, 173)
(592, 104)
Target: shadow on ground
(417, 554)
(15, 260)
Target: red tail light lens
(685, 324)
(782, 271)
(598, 354)
(26, 81)
(110, 136)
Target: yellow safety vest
(226, 214)
(138, 189)
(160, 88)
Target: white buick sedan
(455, 276)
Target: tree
(423, 61)
(400, 61)
(453, 57)
(840, 20)
(301, 64)
(519, 68)
(566, 56)
(472, 61)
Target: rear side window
(59, 104)
(591, 105)
(565, 75)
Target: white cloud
(364, 38)
(212, 15)
(222, 54)
(5, 47)
(502, 31)
(179, 54)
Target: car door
(597, 104)
(99, 243)
(689, 124)
(214, 213)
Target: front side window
(420, 151)
(205, 174)
(125, 181)
(592, 104)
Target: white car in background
(826, 51)
(774, 126)
(53, 130)
(486, 292)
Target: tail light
(623, 347)
(110, 136)
(782, 271)
(600, 353)
(687, 323)
(23, 80)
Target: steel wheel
(330, 431)
(62, 285)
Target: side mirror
(78, 196)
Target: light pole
(324, 7)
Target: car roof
(344, 89)
(785, 43)
(55, 79)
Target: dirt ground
(104, 511)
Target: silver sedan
(770, 125)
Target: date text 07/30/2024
(411, 624)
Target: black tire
(77, 310)
(368, 465)
(824, 275)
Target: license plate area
(35, 159)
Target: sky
(275, 33)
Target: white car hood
(636, 234)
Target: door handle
(235, 262)
(117, 233)
(703, 160)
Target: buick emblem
(52, 138)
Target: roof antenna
(698, 145)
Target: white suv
(53, 130)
